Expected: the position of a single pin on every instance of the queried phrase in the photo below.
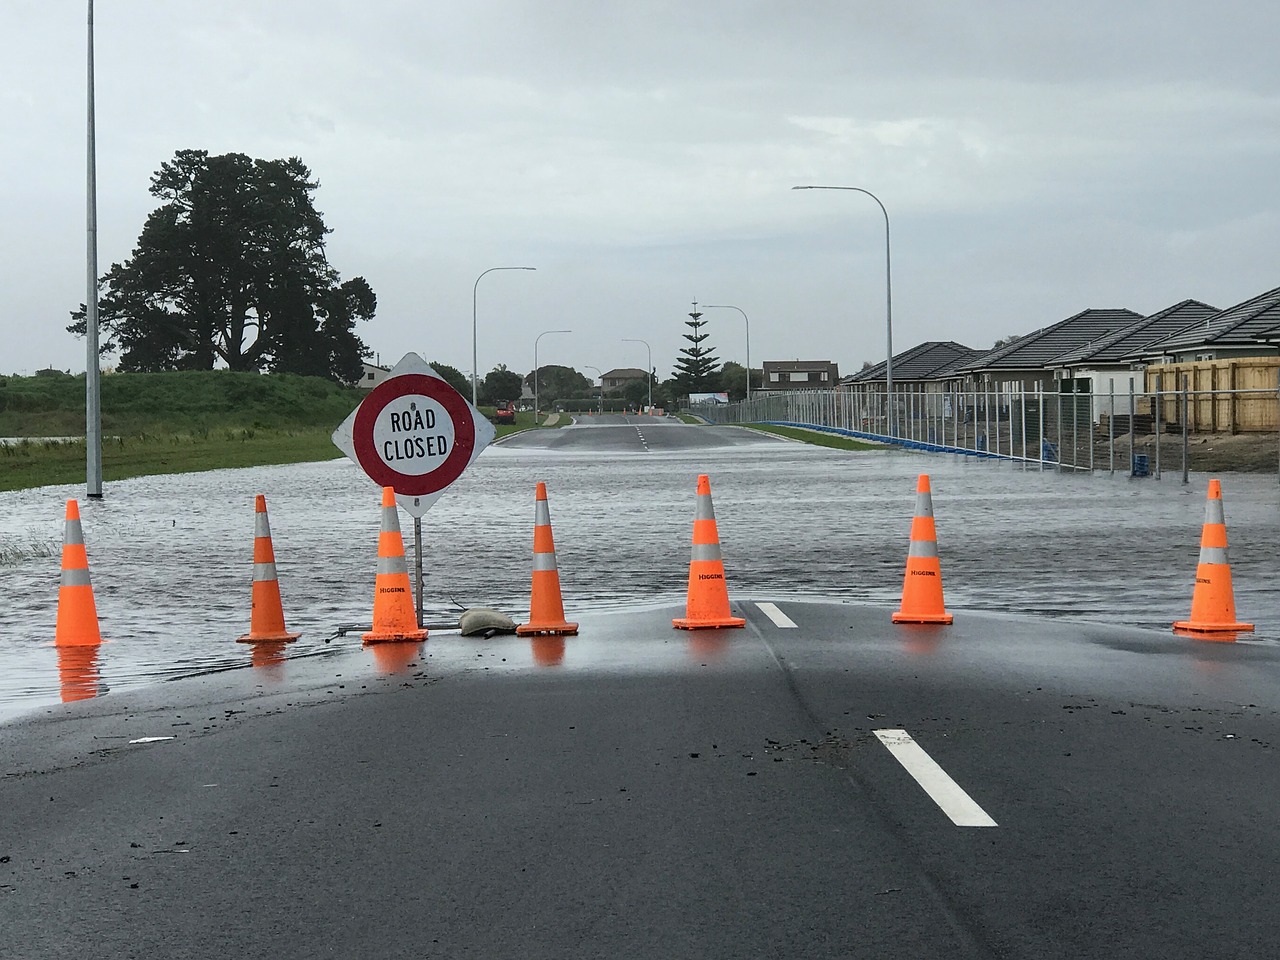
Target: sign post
(415, 434)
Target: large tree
(232, 268)
(556, 382)
(697, 367)
(500, 384)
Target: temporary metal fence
(1140, 433)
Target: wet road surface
(641, 792)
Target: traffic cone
(708, 600)
(546, 609)
(393, 614)
(266, 618)
(77, 624)
(1213, 604)
(922, 583)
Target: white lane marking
(150, 739)
(944, 791)
(779, 618)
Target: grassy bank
(179, 422)
(176, 422)
(191, 402)
(815, 437)
(38, 463)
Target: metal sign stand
(417, 562)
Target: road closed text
(414, 435)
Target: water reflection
(268, 655)
(921, 639)
(395, 657)
(548, 651)
(78, 673)
(706, 645)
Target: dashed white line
(779, 618)
(944, 791)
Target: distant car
(504, 412)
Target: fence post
(1040, 417)
(1132, 412)
(1157, 422)
(1184, 429)
(1111, 425)
(1075, 427)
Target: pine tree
(696, 369)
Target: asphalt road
(639, 791)
(620, 433)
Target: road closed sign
(414, 433)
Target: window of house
(773, 377)
(368, 376)
(825, 376)
(800, 376)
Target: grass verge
(815, 437)
(38, 463)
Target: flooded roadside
(171, 556)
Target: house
(788, 375)
(371, 375)
(1102, 368)
(1236, 351)
(927, 366)
(1233, 332)
(614, 381)
(1027, 362)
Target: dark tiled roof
(781, 365)
(623, 373)
(1130, 340)
(1272, 334)
(1233, 327)
(1036, 350)
(927, 361)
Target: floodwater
(171, 557)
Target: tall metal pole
(474, 288)
(888, 299)
(648, 376)
(729, 306)
(92, 386)
(535, 369)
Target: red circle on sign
(414, 384)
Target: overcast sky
(1035, 160)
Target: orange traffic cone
(546, 609)
(708, 600)
(393, 614)
(266, 618)
(922, 584)
(1213, 604)
(77, 624)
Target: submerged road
(620, 433)
(820, 783)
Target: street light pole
(888, 307)
(729, 306)
(601, 376)
(648, 374)
(474, 288)
(92, 385)
(535, 369)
